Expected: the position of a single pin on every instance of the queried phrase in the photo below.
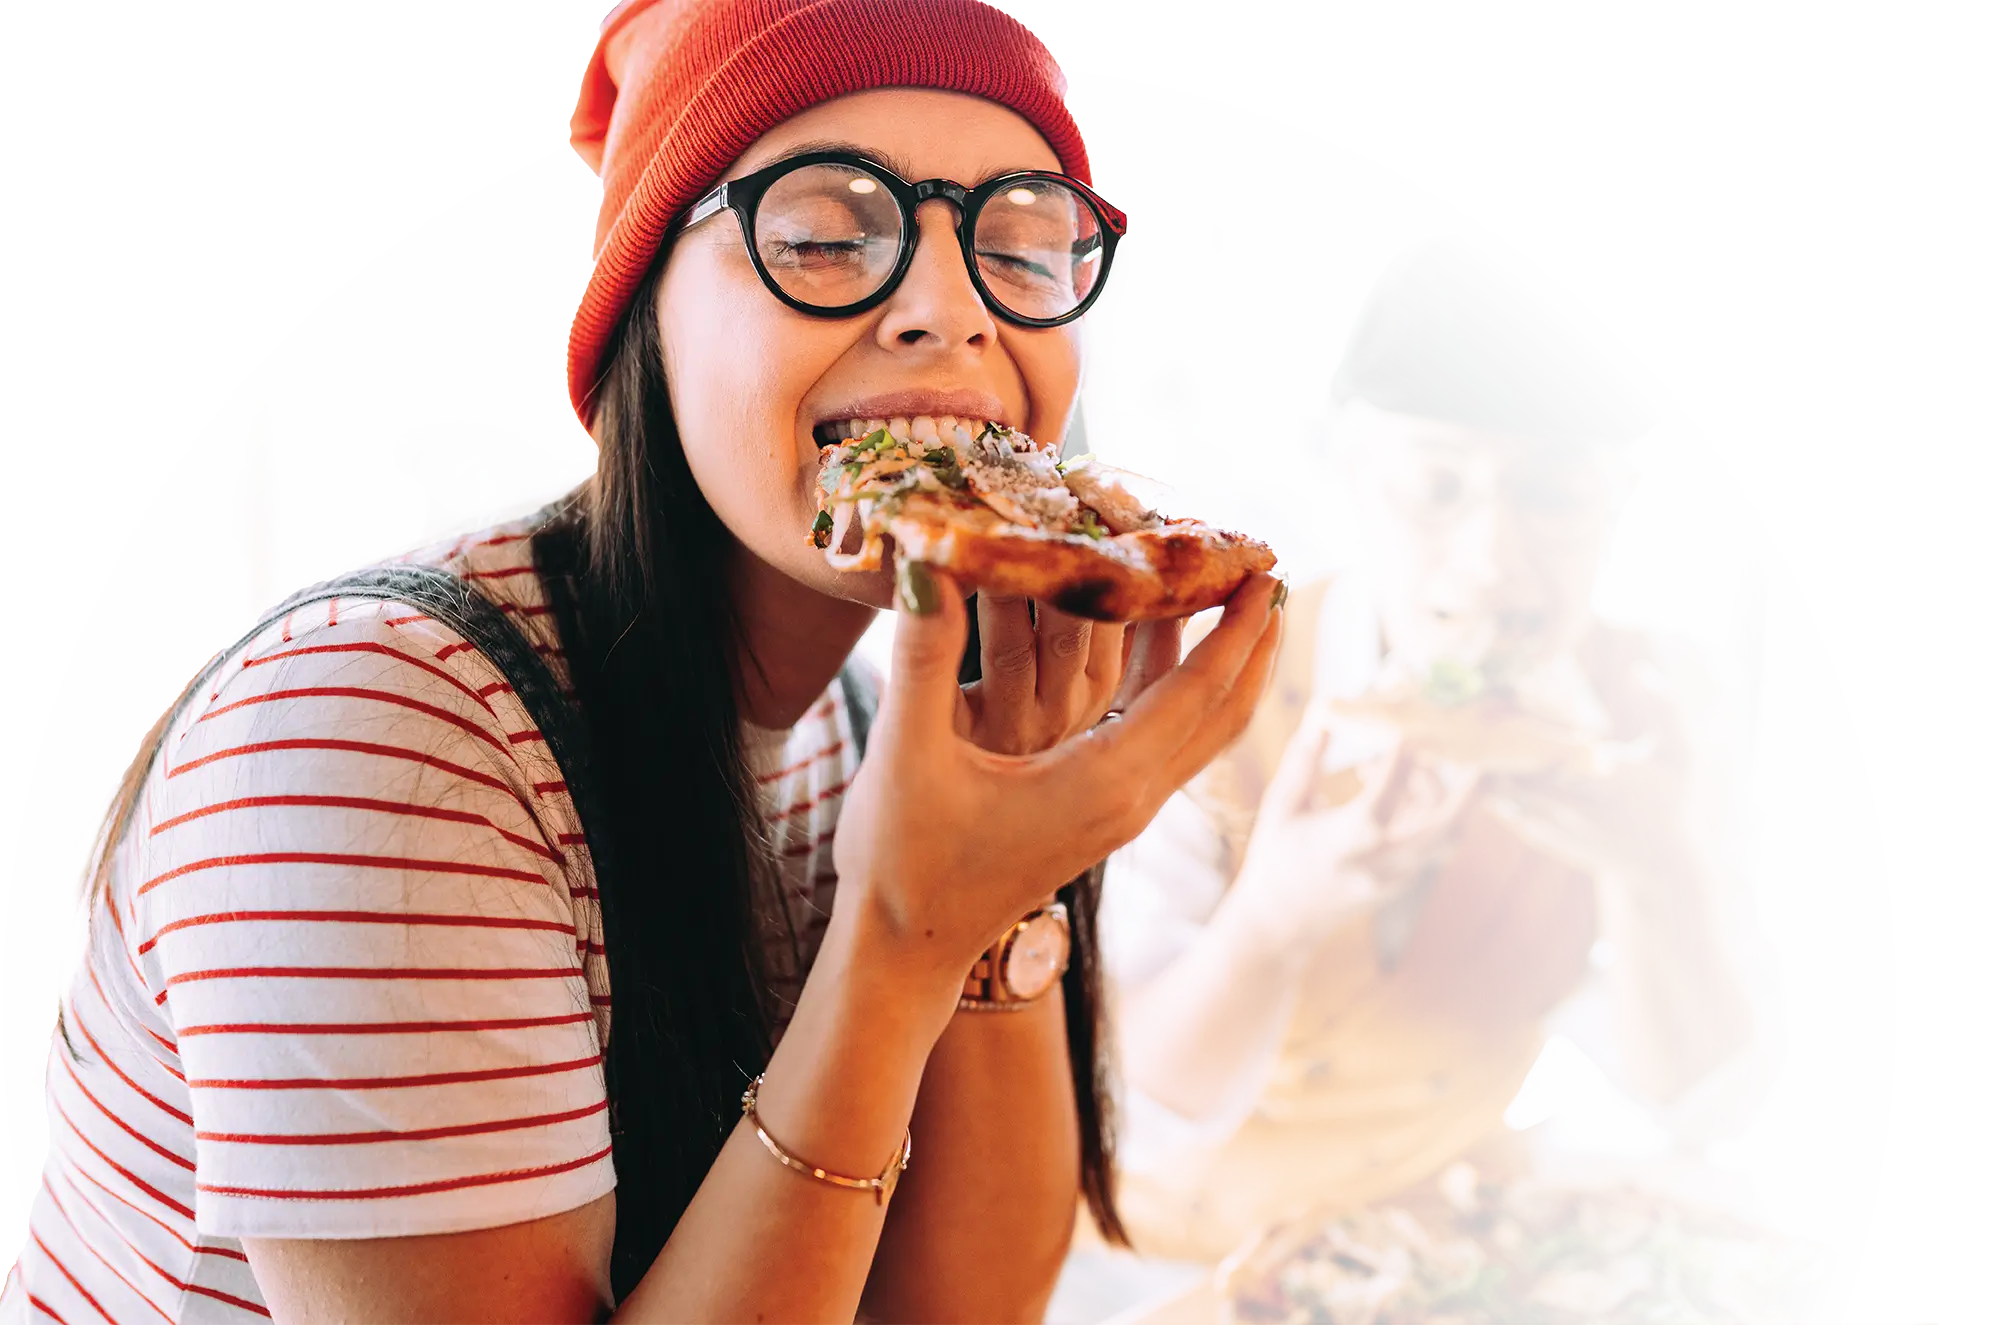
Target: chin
(876, 588)
(873, 588)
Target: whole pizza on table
(1523, 1252)
(1002, 513)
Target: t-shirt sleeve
(349, 899)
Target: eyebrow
(882, 159)
(893, 164)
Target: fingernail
(1280, 594)
(915, 587)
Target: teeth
(926, 429)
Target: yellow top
(1403, 1052)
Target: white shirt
(1163, 889)
(350, 979)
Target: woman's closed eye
(810, 254)
(1016, 266)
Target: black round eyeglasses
(832, 234)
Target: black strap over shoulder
(456, 605)
(857, 691)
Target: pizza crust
(999, 514)
(1182, 567)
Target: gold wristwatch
(1027, 962)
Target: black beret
(1467, 327)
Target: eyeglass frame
(743, 196)
(1509, 485)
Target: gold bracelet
(968, 1004)
(883, 1185)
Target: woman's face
(750, 378)
(1484, 547)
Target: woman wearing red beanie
(472, 940)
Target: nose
(1489, 545)
(937, 305)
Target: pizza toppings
(1097, 488)
(1387, 1265)
(1500, 719)
(1528, 1252)
(1503, 681)
(875, 469)
(1001, 511)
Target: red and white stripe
(350, 981)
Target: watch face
(1037, 956)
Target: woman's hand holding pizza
(1045, 675)
(1627, 823)
(943, 841)
(1326, 847)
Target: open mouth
(926, 428)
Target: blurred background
(285, 290)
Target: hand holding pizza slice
(999, 512)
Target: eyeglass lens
(829, 235)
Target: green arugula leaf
(1452, 683)
(945, 461)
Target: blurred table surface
(1675, 1173)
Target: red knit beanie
(678, 89)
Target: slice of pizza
(1524, 1249)
(1627, 1253)
(1355, 1267)
(1001, 513)
(1458, 713)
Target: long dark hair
(636, 566)
(638, 569)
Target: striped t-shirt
(350, 978)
